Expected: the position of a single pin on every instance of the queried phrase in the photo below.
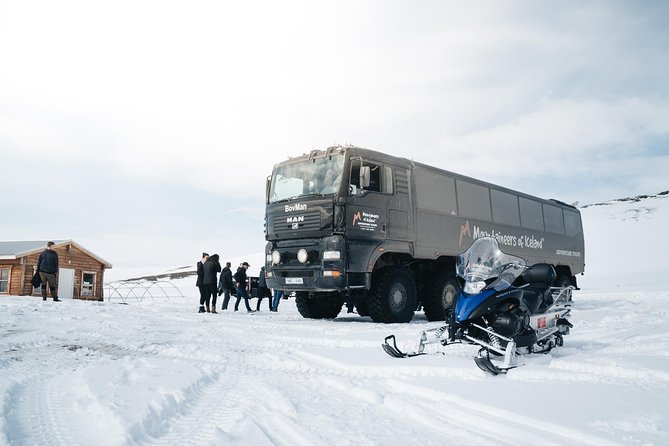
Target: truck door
(366, 213)
(366, 216)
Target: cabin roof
(11, 250)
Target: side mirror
(267, 186)
(365, 175)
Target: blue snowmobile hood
(465, 304)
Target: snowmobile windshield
(318, 176)
(484, 260)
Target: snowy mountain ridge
(636, 199)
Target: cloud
(560, 134)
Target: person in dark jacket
(263, 291)
(226, 285)
(47, 266)
(240, 279)
(211, 268)
(200, 283)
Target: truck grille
(309, 221)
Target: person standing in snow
(225, 285)
(47, 267)
(263, 291)
(240, 279)
(211, 268)
(200, 280)
(278, 294)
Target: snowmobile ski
(484, 363)
(487, 366)
(394, 351)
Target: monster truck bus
(381, 233)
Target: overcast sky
(145, 129)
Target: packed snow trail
(157, 373)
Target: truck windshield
(317, 176)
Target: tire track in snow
(513, 428)
(42, 394)
(467, 421)
(178, 422)
(231, 408)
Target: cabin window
(435, 192)
(531, 216)
(572, 223)
(473, 201)
(553, 219)
(88, 284)
(505, 209)
(4, 280)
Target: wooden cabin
(80, 276)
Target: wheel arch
(564, 271)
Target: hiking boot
(201, 310)
(213, 310)
(44, 299)
(208, 310)
(55, 299)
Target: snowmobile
(505, 307)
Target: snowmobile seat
(537, 296)
(540, 275)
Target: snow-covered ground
(157, 372)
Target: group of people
(211, 285)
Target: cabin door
(65, 283)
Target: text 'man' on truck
(356, 226)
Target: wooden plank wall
(15, 274)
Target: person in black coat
(226, 285)
(200, 280)
(263, 291)
(240, 279)
(211, 268)
(47, 267)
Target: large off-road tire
(440, 292)
(392, 297)
(321, 306)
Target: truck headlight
(302, 255)
(276, 257)
(331, 255)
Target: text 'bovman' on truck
(353, 225)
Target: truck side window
(374, 178)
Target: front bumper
(315, 274)
(314, 283)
